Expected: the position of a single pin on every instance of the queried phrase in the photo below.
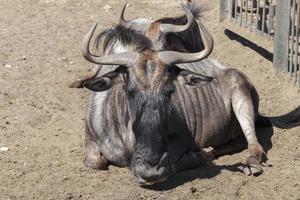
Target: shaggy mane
(127, 36)
(195, 8)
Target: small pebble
(71, 63)
(58, 129)
(7, 65)
(64, 58)
(107, 7)
(4, 149)
(24, 58)
(193, 190)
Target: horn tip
(94, 26)
(122, 21)
(184, 6)
(186, 9)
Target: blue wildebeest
(157, 110)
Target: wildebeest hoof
(76, 84)
(252, 167)
(254, 170)
(208, 153)
(96, 163)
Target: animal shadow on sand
(247, 43)
(210, 169)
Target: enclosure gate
(274, 19)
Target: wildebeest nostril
(163, 160)
(147, 173)
(140, 163)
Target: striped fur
(152, 118)
(202, 109)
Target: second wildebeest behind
(168, 33)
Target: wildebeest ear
(102, 83)
(193, 79)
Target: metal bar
(246, 13)
(269, 21)
(292, 40)
(241, 13)
(257, 13)
(272, 11)
(251, 21)
(235, 10)
(222, 10)
(281, 39)
(297, 44)
(263, 17)
(230, 8)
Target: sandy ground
(42, 120)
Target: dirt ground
(42, 120)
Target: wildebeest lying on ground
(157, 110)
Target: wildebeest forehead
(153, 30)
(150, 72)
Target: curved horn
(116, 59)
(171, 28)
(173, 57)
(122, 21)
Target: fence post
(230, 8)
(222, 10)
(281, 37)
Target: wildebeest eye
(130, 91)
(169, 89)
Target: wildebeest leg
(93, 158)
(189, 161)
(196, 159)
(233, 146)
(243, 107)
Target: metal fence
(293, 67)
(278, 20)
